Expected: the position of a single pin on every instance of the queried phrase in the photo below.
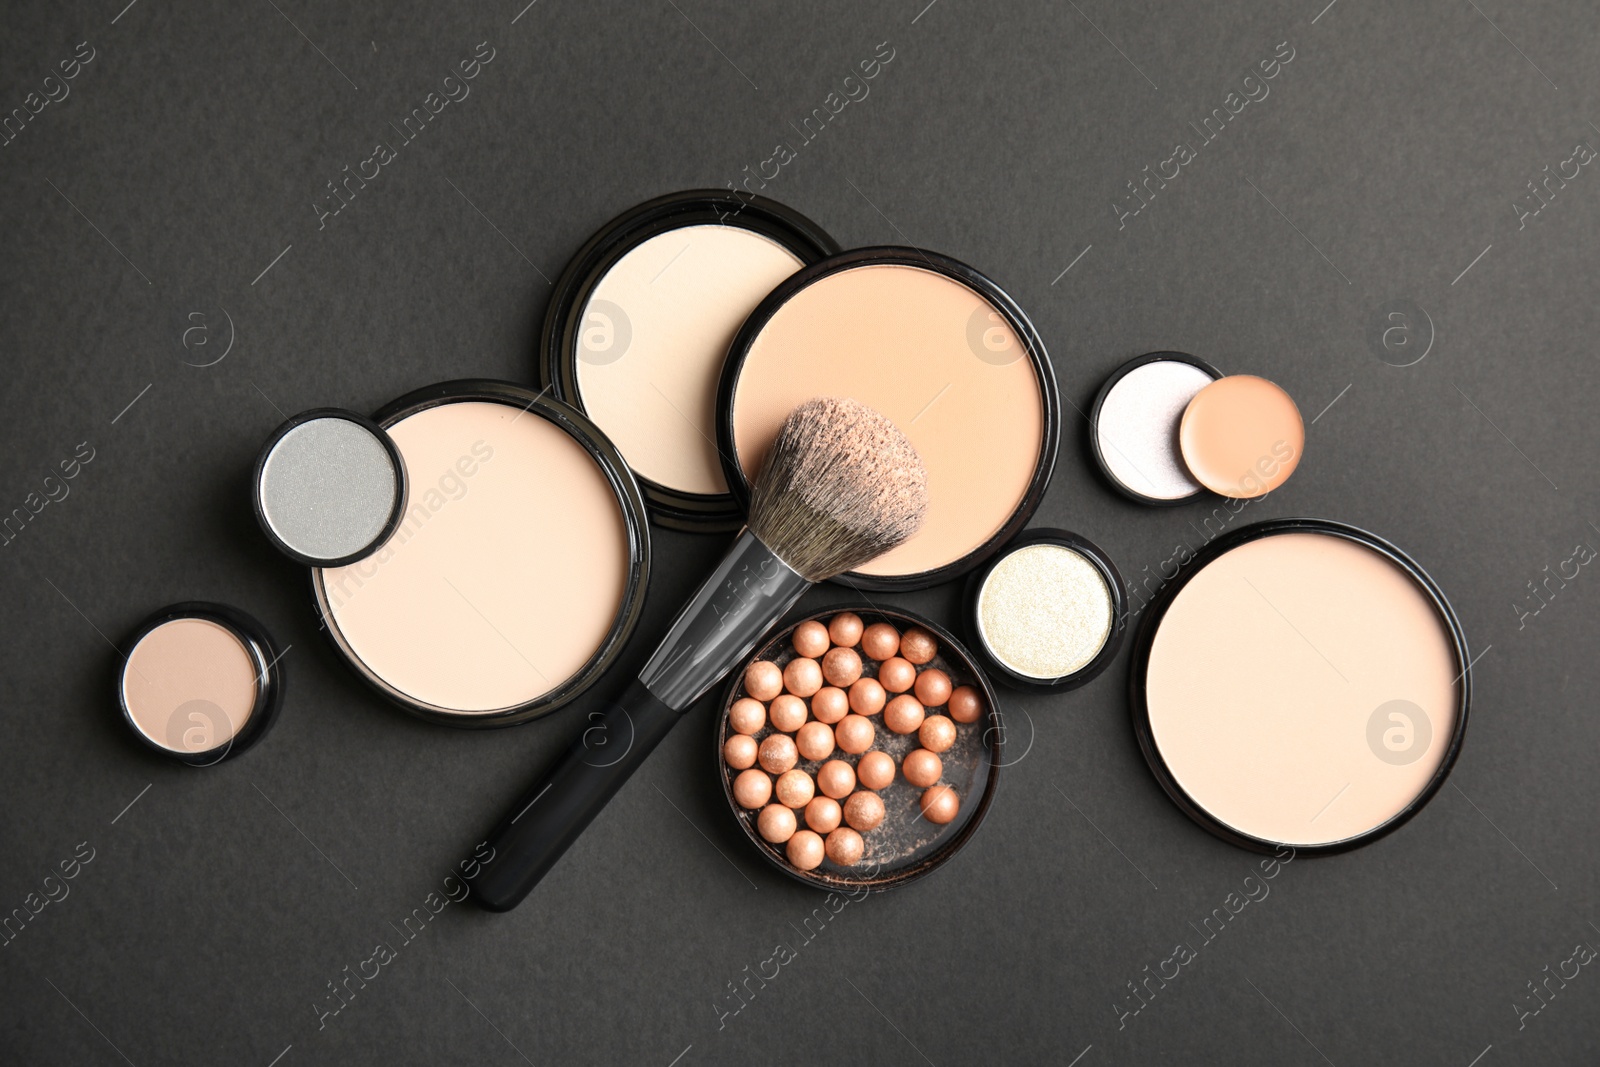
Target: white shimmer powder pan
(1134, 425)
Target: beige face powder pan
(199, 682)
(517, 572)
(942, 351)
(1302, 683)
(640, 323)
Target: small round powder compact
(1302, 683)
(1168, 426)
(938, 348)
(199, 682)
(518, 569)
(1047, 612)
(330, 487)
(640, 323)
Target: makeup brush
(840, 487)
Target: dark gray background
(1385, 161)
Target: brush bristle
(840, 487)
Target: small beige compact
(517, 571)
(1301, 683)
(199, 682)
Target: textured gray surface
(174, 280)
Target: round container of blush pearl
(954, 748)
(937, 347)
(1133, 426)
(199, 682)
(1047, 612)
(640, 322)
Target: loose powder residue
(1044, 611)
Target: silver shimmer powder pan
(1047, 612)
(329, 487)
(1133, 427)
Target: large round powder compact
(330, 487)
(1047, 612)
(1133, 426)
(517, 571)
(942, 351)
(1302, 683)
(199, 682)
(640, 324)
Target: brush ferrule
(748, 592)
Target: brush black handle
(561, 803)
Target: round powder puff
(1044, 611)
(1242, 436)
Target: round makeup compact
(939, 349)
(199, 682)
(330, 487)
(517, 571)
(1302, 683)
(859, 749)
(1048, 612)
(1133, 426)
(1242, 436)
(640, 324)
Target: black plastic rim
(999, 299)
(558, 349)
(994, 736)
(395, 514)
(1094, 424)
(629, 500)
(1119, 611)
(263, 653)
(1141, 662)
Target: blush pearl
(815, 741)
(864, 811)
(811, 639)
(875, 771)
(853, 734)
(776, 823)
(747, 715)
(844, 847)
(937, 734)
(844, 630)
(903, 714)
(752, 788)
(805, 850)
(830, 704)
(867, 696)
(802, 677)
(836, 779)
(918, 646)
(740, 751)
(777, 753)
(933, 687)
(841, 666)
(896, 675)
(965, 704)
(922, 768)
(763, 680)
(795, 789)
(880, 641)
(823, 814)
(787, 712)
(940, 804)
